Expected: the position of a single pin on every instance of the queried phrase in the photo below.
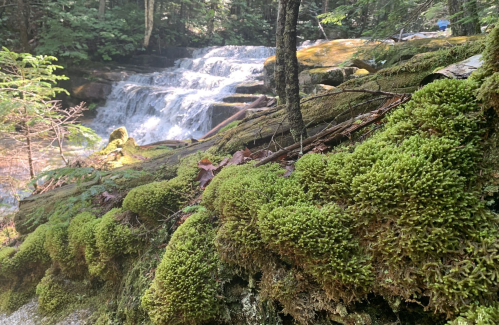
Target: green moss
(81, 239)
(112, 240)
(319, 240)
(480, 315)
(61, 254)
(185, 288)
(6, 253)
(14, 298)
(236, 195)
(229, 126)
(156, 201)
(53, 294)
(399, 214)
(30, 257)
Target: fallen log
(166, 143)
(259, 103)
(340, 131)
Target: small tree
(286, 72)
(28, 115)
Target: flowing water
(175, 103)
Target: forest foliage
(112, 30)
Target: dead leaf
(289, 170)
(204, 177)
(240, 157)
(206, 164)
(261, 154)
(107, 196)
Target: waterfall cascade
(175, 103)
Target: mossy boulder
(185, 289)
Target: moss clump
(236, 195)
(399, 215)
(30, 257)
(155, 201)
(53, 294)
(112, 240)
(185, 288)
(81, 239)
(229, 126)
(480, 315)
(14, 298)
(321, 242)
(6, 253)
(61, 254)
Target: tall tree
(149, 19)
(279, 74)
(286, 52)
(464, 17)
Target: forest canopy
(94, 30)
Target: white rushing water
(175, 103)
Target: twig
(339, 131)
(367, 91)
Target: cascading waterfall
(175, 103)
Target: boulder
(92, 91)
(240, 98)
(326, 76)
(119, 134)
(325, 55)
(221, 111)
(251, 87)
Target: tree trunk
(29, 146)
(279, 73)
(325, 5)
(464, 17)
(102, 9)
(149, 17)
(23, 24)
(297, 126)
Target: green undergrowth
(399, 215)
(185, 287)
(158, 200)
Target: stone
(326, 76)
(119, 134)
(328, 54)
(251, 87)
(240, 98)
(91, 91)
(221, 111)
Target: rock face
(222, 111)
(326, 76)
(326, 55)
(92, 91)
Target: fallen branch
(340, 131)
(366, 91)
(260, 102)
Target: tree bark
(23, 24)
(279, 73)
(295, 119)
(325, 5)
(464, 17)
(102, 9)
(30, 151)
(149, 17)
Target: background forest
(95, 30)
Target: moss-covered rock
(185, 289)
(53, 294)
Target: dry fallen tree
(337, 133)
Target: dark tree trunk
(23, 24)
(297, 126)
(102, 9)
(279, 74)
(325, 5)
(464, 17)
